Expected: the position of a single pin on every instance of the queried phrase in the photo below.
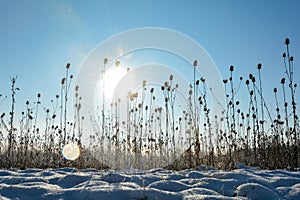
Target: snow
(200, 183)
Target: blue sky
(38, 38)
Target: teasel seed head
(284, 55)
(105, 61)
(63, 81)
(195, 63)
(259, 66)
(250, 76)
(287, 41)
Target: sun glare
(111, 79)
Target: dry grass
(167, 135)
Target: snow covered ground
(201, 183)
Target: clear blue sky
(38, 38)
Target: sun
(111, 79)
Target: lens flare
(71, 151)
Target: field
(157, 130)
(158, 151)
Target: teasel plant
(2, 99)
(289, 70)
(169, 93)
(207, 140)
(65, 87)
(230, 132)
(10, 154)
(262, 108)
(196, 115)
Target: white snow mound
(201, 183)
